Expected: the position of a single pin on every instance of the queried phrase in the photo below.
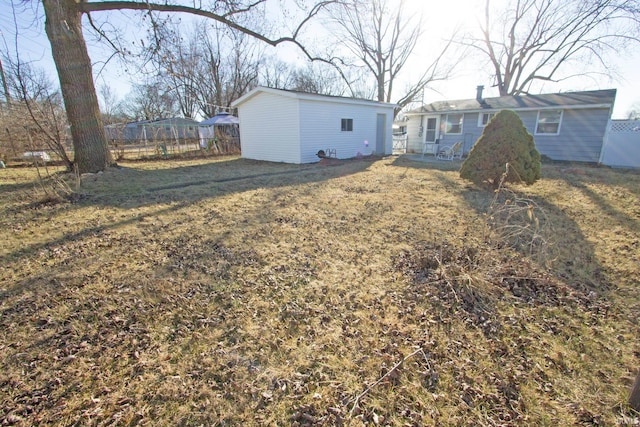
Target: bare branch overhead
(536, 40)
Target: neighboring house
(288, 126)
(565, 126)
(154, 130)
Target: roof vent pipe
(479, 90)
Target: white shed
(292, 127)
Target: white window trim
(446, 120)
(482, 113)
(545, 133)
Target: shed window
(347, 125)
(453, 124)
(549, 122)
(484, 119)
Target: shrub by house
(504, 140)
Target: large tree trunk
(634, 398)
(64, 30)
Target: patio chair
(450, 152)
(430, 148)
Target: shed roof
(586, 99)
(307, 96)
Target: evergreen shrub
(504, 140)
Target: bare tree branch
(383, 39)
(88, 7)
(542, 37)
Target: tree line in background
(195, 72)
(198, 72)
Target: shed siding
(320, 124)
(283, 128)
(269, 128)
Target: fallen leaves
(332, 297)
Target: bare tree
(5, 86)
(183, 78)
(382, 38)
(177, 62)
(529, 41)
(229, 67)
(63, 26)
(317, 77)
(214, 65)
(34, 118)
(111, 107)
(151, 101)
(276, 73)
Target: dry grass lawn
(230, 292)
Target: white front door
(431, 130)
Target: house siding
(469, 133)
(269, 128)
(320, 124)
(580, 139)
(414, 139)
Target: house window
(484, 119)
(347, 125)
(453, 124)
(549, 122)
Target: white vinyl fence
(400, 143)
(621, 146)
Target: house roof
(307, 96)
(162, 122)
(586, 99)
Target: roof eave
(491, 109)
(307, 96)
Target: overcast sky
(33, 45)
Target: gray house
(565, 126)
(168, 129)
